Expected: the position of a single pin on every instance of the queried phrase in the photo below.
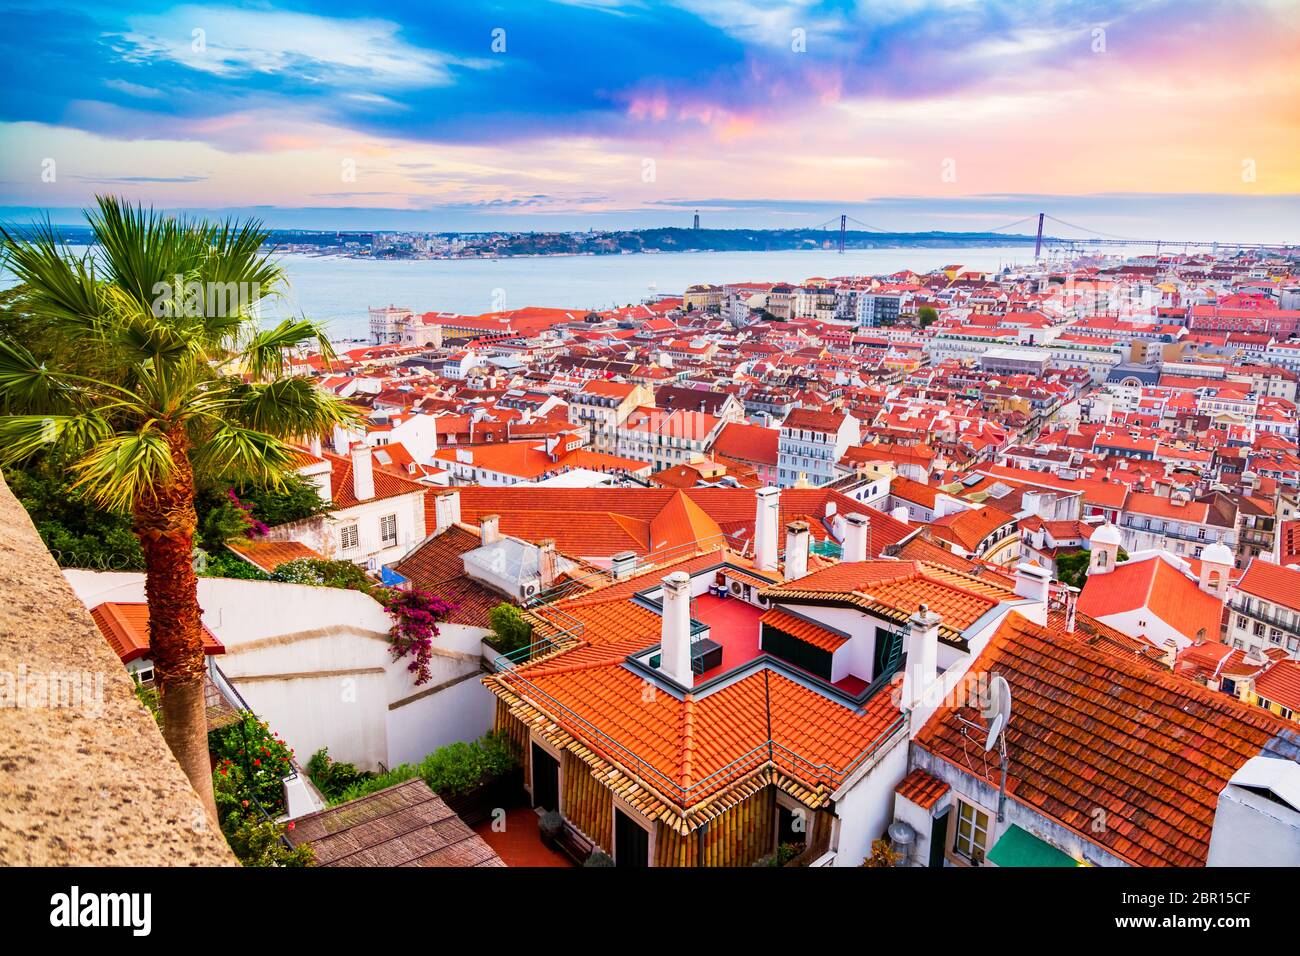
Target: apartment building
(811, 443)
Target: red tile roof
(126, 627)
(807, 631)
(1153, 583)
(269, 555)
(922, 789)
(1272, 582)
(1281, 684)
(387, 484)
(1092, 732)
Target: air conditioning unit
(735, 587)
(530, 590)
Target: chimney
(796, 550)
(342, 441)
(621, 565)
(856, 529)
(313, 445)
(766, 515)
(489, 529)
(922, 660)
(546, 563)
(1033, 583)
(363, 472)
(675, 633)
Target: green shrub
(255, 840)
(318, 572)
(253, 758)
(510, 629)
(331, 777)
(449, 771)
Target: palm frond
(59, 284)
(124, 469)
(234, 453)
(290, 407)
(268, 352)
(22, 436)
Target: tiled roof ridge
(688, 741)
(939, 574)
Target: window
(388, 529)
(348, 537)
(972, 833)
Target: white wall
(315, 664)
(866, 809)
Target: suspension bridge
(1091, 238)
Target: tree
(174, 381)
(926, 316)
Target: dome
(1217, 553)
(1108, 534)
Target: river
(340, 291)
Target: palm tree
(173, 378)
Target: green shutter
(889, 653)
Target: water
(340, 291)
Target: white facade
(315, 663)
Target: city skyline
(598, 113)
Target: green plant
(319, 572)
(449, 771)
(785, 853)
(332, 777)
(149, 697)
(223, 564)
(598, 857)
(510, 629)
(254, 758)
(254, 839)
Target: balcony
(81, 754)
(1291, 626)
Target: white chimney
(313, 445)
(489, 527)
(922, 664)
(363, 472)
(901, 514)
(622, 564)
(856, 528)
(342, 440)
(796, 550)
(675, 629)
(1034, 583)
(766, 515)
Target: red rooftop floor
(733, 623)
(520, 844)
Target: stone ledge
(91, 784)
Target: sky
(1138, 118)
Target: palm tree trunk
(165, 525)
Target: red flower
(289, 825)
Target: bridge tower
(844, 218)
(697, 219)
(1038, 243)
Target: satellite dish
(997, 710)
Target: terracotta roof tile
(922, 789)
(125, 625)
(806, 631)
(1091, 731)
